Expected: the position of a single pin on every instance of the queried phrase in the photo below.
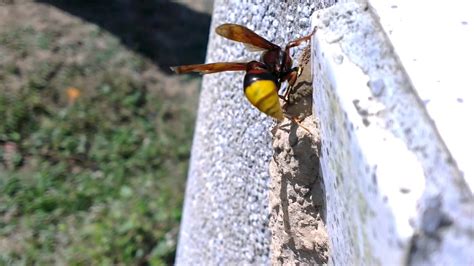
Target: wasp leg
(283, 98)
(299, 41)
(291, 77)
(297, 121)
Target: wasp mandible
(263, 78)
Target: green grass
(95, 182)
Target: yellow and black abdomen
(261, 90)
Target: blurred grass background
(95, 133)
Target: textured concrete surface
(437, 52)
(394, 191)
(226, 212)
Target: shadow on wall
(166, 32)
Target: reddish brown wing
(242, 34)
(210, 68)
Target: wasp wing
(210, 68)
(253, 48)
(252, 40)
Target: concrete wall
(393, 147)
(395, 192)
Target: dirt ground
(60, 197)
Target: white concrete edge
(435, 47)
(383, 161)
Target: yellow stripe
(263, 95)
